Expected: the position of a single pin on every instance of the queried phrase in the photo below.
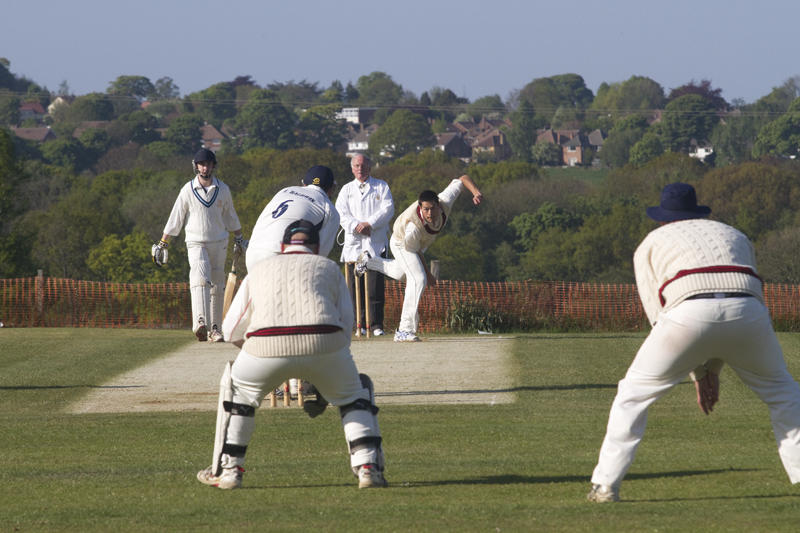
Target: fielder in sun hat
(678, 202)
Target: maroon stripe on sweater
(294, 330)
(705, 270)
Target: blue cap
(320, 176)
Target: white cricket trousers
(207, 280)
(736, 330)
(405, 266)
(334, 375)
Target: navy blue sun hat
(678, 202)
(320, 176)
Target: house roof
(210, 132)
(443, 139)
(90, 124)
(34, 134)
(36, 107)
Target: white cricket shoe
(369, 477)
(231, 478)
(603, 494)
(405, 336)
(215, 335)
(361, 263)
(378, 332)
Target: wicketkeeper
(292, 317)
(206, 206)
(698, 284)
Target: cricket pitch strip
(439, 370)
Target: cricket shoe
(369, 477)
(361, 263)
(215, 335)
(230, 478)
(378, 332)
(405, 336)
(202, 331)
(603, 494)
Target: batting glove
(239, 245)
(159, 253)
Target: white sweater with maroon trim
(296, 288)
(691, 244)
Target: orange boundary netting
(449, 306)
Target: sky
(473, 47)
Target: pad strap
(363, 443)
(360, 404)
(239, 409)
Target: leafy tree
(546, 95)
(138, 87)
(445, 103)
(318, 127)
(638, 94)
(165, 89)
(215, 104)
(66, 152)
(733, 138)
(90, 107)
(77, 222)
(490, 105)
(781, 136)
(333, 94)
(184, 132)
(301, 94)
(351, 94)
(402, 133)
(645, 182)
(123, 259)
(378, 89)
(265, 122)
(460, 257)
(712, 96)
(546, 154)
(530, 225)
(139, 126)
(95, 143)
(625, 133)
(9, 108)
(522, 134)
(777, 255)
(685, 118)
(243, 86)
(648, 148)
(780, 98)
(755, 197)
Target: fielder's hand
(159, 253)
(239, 245)
(707, 389)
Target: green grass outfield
(514, 467)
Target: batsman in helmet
(205, 206)
(292, 316)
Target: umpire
(698, 284)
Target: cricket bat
(230, 288)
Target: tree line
(89, 206)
